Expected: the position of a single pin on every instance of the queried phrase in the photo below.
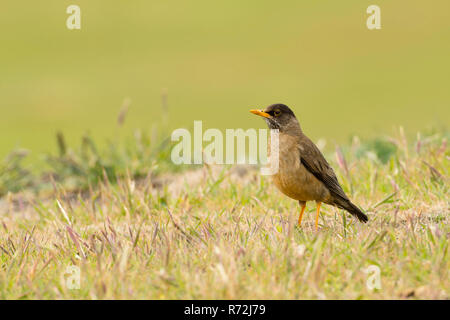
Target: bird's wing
(314, 161)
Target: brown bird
(303, 173)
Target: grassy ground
(223, 57)
(227, 233)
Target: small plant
(13, 175)
(77, 169)
(381, 148)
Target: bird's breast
(292, 178)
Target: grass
(227, 233)
(81, 167)
(215, 61)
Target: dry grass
(227, 233)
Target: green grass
(216, 60)
(227, 233)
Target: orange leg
(317, 215)
(301, 213)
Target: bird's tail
(354, 210)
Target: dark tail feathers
(354, 210)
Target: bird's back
(314, 161)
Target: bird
(303, 172)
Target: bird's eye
(277, 113)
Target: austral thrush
(303, 173)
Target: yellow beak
(260, 113)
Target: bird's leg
(303, 204)
(317, 215)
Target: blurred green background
(218, 59)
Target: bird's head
(279, 116)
